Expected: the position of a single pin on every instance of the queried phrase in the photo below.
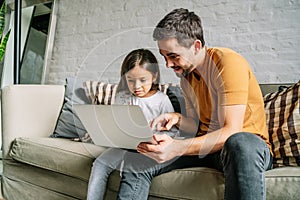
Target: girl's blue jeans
(103, 166)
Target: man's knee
(246, 149)
(243, 144)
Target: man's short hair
(181, 24)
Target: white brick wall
(93, 36)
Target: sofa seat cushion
(74, 160)
(188, 184)
(283, 183)
(22, 181)
(57, 154)
(206, 183)
(180, 184)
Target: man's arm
(168, 148)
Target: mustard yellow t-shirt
(224, 79)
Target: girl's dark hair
(181, 24)
(143, 58)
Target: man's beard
(185, 71)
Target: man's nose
(169, 63)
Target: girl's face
(139, 81)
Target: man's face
(177, 57)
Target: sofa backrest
(33, 110)
(29, 111)
(268, 88)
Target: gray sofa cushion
(181, 184)
(22, 181)
(72, 161)
(283, 183)
(57, 154)
(68, 124)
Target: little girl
(139, 82)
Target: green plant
(2, 26)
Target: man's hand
(166, 148)
(165, 121)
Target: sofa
(39, 167)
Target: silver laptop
(123, 126)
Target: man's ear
(197, 45)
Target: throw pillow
(100, 92)
(104, 93)
(283, 121)
(68, 124)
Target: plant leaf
(2, 18)
(3, 45)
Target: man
(224, 110)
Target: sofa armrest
(29, 111)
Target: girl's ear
(155, 77)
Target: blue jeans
(103, 166)
(244, 159)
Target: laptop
(122, 126)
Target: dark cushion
(68, 124)
(175, 95)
